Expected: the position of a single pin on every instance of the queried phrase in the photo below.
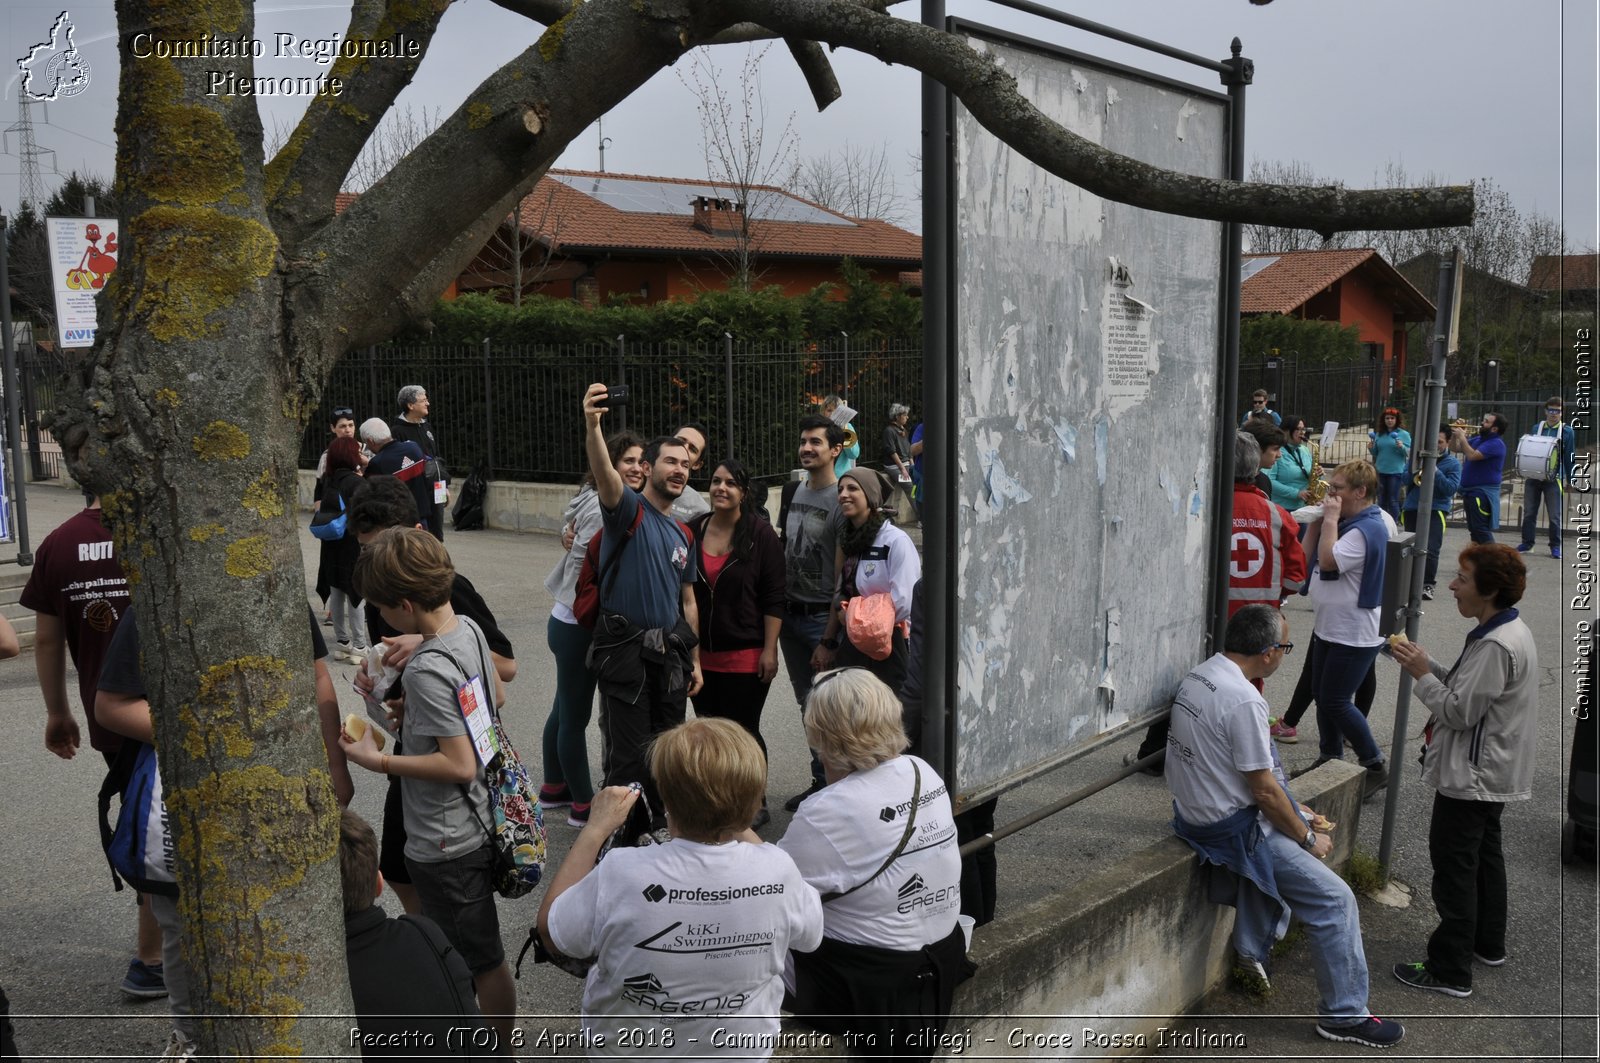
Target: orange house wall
(1359, 305)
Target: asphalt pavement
(65, 937)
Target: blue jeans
(1336, 671)
(1550, 492)
(1435, 533)
(1475, 501)
(566, 746)
(1320, 899)
(797, 640)
(1391, 485)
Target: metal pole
(622, 378)
(488, 412)
(18, 485)
(939, 426)
(727, 383)
(846, 392)
(1240, 72)
(1432, 407)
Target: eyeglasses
(1286, 647)
(1332, 486)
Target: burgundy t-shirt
(76, 578)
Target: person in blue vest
(1548, 490)
(1446, 481)
(1484, 456)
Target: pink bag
(869, 624)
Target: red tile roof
(1298, 276)
(1564, 273)
(567, 220)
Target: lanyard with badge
(473, 700)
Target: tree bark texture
(238, 290)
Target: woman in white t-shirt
(879, 842)
(1347, 547)
(689, 938)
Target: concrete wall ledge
(1114, 952)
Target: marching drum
(1538, 456)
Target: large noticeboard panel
(1086, 354)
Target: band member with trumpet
(1485, 456)
(1446, 481)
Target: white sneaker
(179, 1047)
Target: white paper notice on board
(83, 255)
(1330, 432)
(1130, 357)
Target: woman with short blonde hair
(879, 843)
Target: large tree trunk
(190, 432)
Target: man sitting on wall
(1231, 803)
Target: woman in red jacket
(739, 592)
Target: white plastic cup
(966, 922)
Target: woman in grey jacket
(1478, 750)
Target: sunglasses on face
(342, 411)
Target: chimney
(717, 216)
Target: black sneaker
(1374, 1032)
(1427, 592)
(762, 818)
(1377, 779)
(1489, 961)
(144, 981)
(794, 803)
(1418, 976)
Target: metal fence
(1349, 394)
(516, 409)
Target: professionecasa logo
(54, 69)
(654, 893)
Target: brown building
(593, 236)
(1349, 286)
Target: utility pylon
(30, 187)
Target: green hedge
(1310, 342)
(875, 315)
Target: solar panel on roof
(1252, 266)
(662, 197)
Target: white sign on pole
(83, 255)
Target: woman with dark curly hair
(739, 592)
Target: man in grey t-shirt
(810, 537)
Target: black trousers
(736, 696)
(1469, 886)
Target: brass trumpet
(850, 438)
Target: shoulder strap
(610, 566)
(441, 947)
(785, 500)
(905, 838)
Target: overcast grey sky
(1460, 89)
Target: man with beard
(644, 655)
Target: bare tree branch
(512, 127)
(310, 167)
(819, 75)
(992, 97)
(543, 12)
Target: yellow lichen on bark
(248, 557)
(262, 497)
(201, 533)
(222, 441)
(196, 262)
(233, 699)
(168, 398)
(550, 39)
(274, 817)
(479, 114)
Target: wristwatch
(1311, 840)
(831, 643)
